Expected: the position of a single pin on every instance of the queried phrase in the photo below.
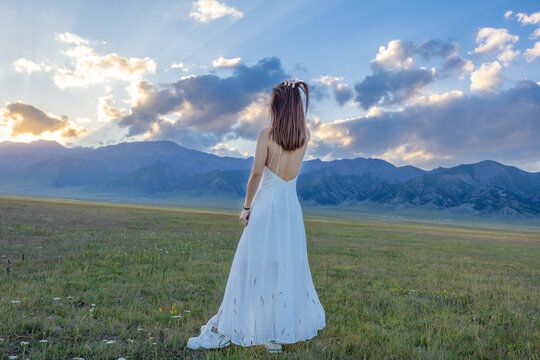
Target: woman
(269, 297)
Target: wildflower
(43, 341)
(56, 298)
(176, 316)
(160, 309)
(15, 301)
(24, 343)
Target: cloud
(222, 62)
(342, 92)
(493, 41)
(207, 107)
(508, 14)
(533, 18)
(23, 118)
(388, 87)
(209, 10)
(453, 126)
(28, 66)
(223, 149)
(72, 39)
(487, 78)
(180, 65)
(396, 78)
(532, 53)
(397, 56)
(90, 68)
(106, 107)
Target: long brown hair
(287, 117)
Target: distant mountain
(104, 164)
(16, 155)
(486, 187)
(166, 169)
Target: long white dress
(270, 293)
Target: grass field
(105, 281)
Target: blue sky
(422, 83)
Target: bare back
(285, 164)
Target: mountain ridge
(164, 168)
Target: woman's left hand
(244, 217)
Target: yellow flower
(160, 309)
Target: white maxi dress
(270, 293)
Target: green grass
(391, 289)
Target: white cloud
(497, 40)
(92, 68)
(329, 80)
(72, 39)
(487, 78)
(375, 111)
(28, 66)
(222, 62)
(532, 53)
(106, 107)
(438, 98)
(508, 14)
(395, 56)
(529, 19)
(222, 149)
(180, 65)
(208, 10)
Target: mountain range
(164, 169)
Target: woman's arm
(256, 173)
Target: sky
(422, 83)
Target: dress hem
(309, 337)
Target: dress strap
(277, 168)
(272, 158)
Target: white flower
(139, 329)
(56, 298)
(43, 341)
(176, 316)
(24, 343)
(15, 301)
(13, 357)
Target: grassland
(105, 281)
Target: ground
(105, 281)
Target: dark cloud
(394, 77)
(391, 87)
(208, 103)
(31, 120)
(435, 48)
(343, 94)
(500, 125)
